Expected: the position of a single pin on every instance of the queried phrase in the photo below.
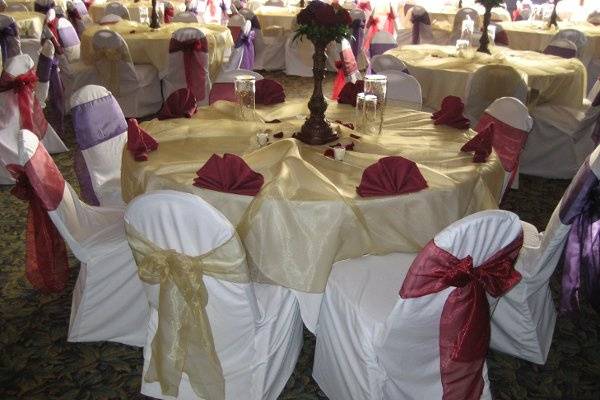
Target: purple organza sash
(43, 8)
(380, 48)
(56, 92)
(6, 34)
(560, 51)
(97, 121)
(581, 256)
(248, 54)
(358, 26)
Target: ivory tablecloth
(535, 35)
(96, 10)
(279, 16)
(30, 3)
(30, 23)
(149, 46)
(307, 214)
(442, 72)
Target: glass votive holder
(377, 85)
(339, 153)
(359, 112)
(245, 91)
(462, 44)
(371, 120)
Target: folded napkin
(269, 92)
(222, 91)
(180, 104)
(139, 142)
(451, 113)
(391, 176)
(481, 144)
(350, 91)
(229, 174)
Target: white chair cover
(298, 56)
(382, 42)
(576, 37)
(269, 47)
(373, 344)
(461, 15)
(101, 135)
(524, 319)
(386, 62)
(403, 88)
(275, 3)
(10, 42)
(78, 15)
(108, 298)
(256, 328)
(425, 34)
(242, 54)
(117, 9)
(562, 48)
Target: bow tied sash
(357, 27)
(465, 320)
(193, 63)
(32, 115)
(8, 34)
(417, 20)
(183, 341)
(247, 41)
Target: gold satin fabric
(308, 215)
(280, 16)
(30, 23)
(148, 46)
(442, 71)
(97, 9)
(183, 341)
(109, 69)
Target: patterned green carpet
(36, 362)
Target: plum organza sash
(48, 71)
(562, 52)
(581, 257)
(54, 35)
(47, 267)
(247, 42)
(416, 21)
(8, 35)
(194, 61)
(465, 320)
(43, 9)
(32, 115)
(183, 341)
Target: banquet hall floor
(36, 361)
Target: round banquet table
(536, 36)
(97, 9)
(284, 17)
(30, 23)
(30, 3)
(307, 214)
(442, 71)
(151, 46)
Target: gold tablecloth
(535, 35)
(29, 3)
(149, 46)
(279, 16)
(96, 10)
(441, 72)
(307, 214)
(30, 23)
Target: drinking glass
(245, 90)
(377, 85)
(359, 112)
(491, 33)
(372, 121)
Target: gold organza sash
(183, 341)
(107, 62)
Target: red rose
(344, 17)
(326, 16)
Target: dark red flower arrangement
(322, 22)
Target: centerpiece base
(316, 132)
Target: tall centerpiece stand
(154, 24)
(485, 39)
(321, 23)
(554, 16)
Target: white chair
(78, 15)
(235, 25)
(109, 19)
(136, 87)
(44, 71)
(387, 62)
(594, 17)
(373, 344)
(524, 319)
(101, 134)
(186, 16)
(298, 57)
(480, 94)
(561, 139)
(108, 298)
(576, 37)
(2, 5)
(418, 28)
(117, 9)
(62, 32)
(11, 41)
(12, 120)
(43, 6)
(257, 329)
(242, 54)
(382, 42)
(562, 48)
(403, 88)
(188, 40)
(269, 46)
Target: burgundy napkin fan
(139, 142)
(350, 91)
(391, 176)
(481, 144)
(269, 92)
(229, 174)
(451, 113)
(180, 104)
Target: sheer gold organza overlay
(30, 23)
(98, 8)
(30, 3)
(183, 341)
(308, 215)
(148, 46)
(442, 71)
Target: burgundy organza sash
(372, 29)
(47, 267)
(465, 320)
(451, 113)
(139, 142)
(32, 115)
(339, 82)
(507, 141)
(481, 144)
(55, 37)
(391, 176)
(501, 37)
(416, 21)
(562, 52)
(349, 92)
(229, 174)
(169, 13)
(43, 9)
(581, 256)
(357, 35)
(180, 104)
(194, 60)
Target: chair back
(500, 14)
(402, 87)
(594, 18)
(188, 64)
(235, 25)
(489, 83)
(186, 16)
(574, 36)
(110, 19)
(10, 43)
(101, 134)
(78, 15)
(69, 40)
(348, 61)
(420, 25)
(16, 7)
(242, 55)
(435, 310)
(43, 6)
(275, 3)
(382, 42)
(113, 63)
(358, 27)
(117, 9)
(44, 71)
(2, 5)
(461, 15)
(562, 48)
(387, 62)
